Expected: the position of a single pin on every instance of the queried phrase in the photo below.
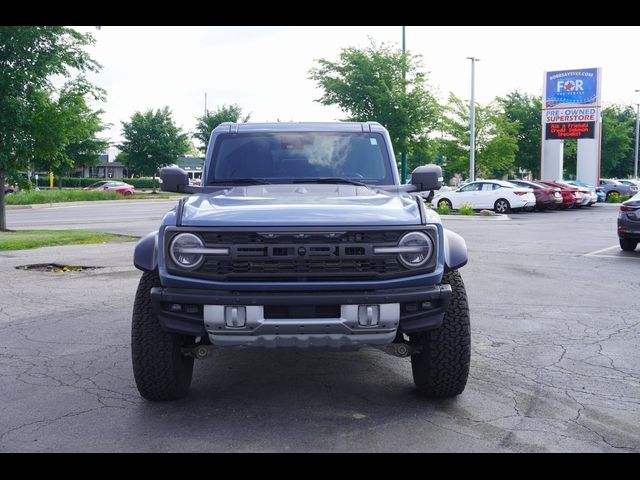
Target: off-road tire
(442, 367)
(628, 245)
(160, 369)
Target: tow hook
(399, 349)
(198, 352)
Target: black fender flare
(145, 255)
(455, 251)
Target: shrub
(613, 197)
(54, 196)
(465, 209)
(443, 209)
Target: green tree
(428, 150)
(380, 84)
(617, 147)
(496, 140)
(29, 57)
(65, 129)
(618, 136)
(152, 140)
(569, 159)
(210, 120)
(525, 112)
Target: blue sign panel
(572, 87)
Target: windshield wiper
(329, 180)
(231, 181)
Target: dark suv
(629, 223)
(300, 236)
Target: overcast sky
(265, 69)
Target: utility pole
(635, 165)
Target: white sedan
(495, 195)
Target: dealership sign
(562, 131)
(571, 87)
(561, 115)
(571, 111)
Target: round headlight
(419, 249)
(182, 250)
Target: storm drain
(55, 268)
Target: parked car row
(497, 195)
(517, 195)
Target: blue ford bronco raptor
(300, 236)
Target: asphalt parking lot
(555, 360)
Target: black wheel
(445, 203)
(442, 367)
(628, 245)
(501, 206)
(160, 369)
(127, 193)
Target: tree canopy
(29, 57)
(210, 120)
(525, 111)
(496, 143)
(382, 84)
(152, 140)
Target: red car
(570, 196)
(109, 186)
(546, 197)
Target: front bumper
(205, 313)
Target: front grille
(300, 270)
(299, 256)
(301, 311)
(333, 237)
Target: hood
(308, 204)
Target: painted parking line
(621, 254)
(616, 256)
(601, 250)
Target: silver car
(610, 186)
(631, 183)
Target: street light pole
(472, 122)
(635, 165)
(403, 155)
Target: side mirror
(173, 179)
(427, 177)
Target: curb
(498, 217)
(18, 207)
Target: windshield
(289, 156)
